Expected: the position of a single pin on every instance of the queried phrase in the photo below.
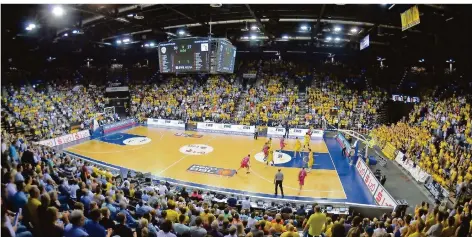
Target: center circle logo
(136, 141)
(283, 159)
(163, 49)
(196, 149)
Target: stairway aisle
(239, 104)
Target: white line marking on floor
(335, 169)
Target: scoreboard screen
(226, 56)
(186, 55)
(405, 98)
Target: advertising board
(226, 128)
(108, 128)
(65, 139)
(166, 123)
(380, 194)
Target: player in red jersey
(265, 149)
(282, 146)
(301, 179)
(245, 163)
(282, 143)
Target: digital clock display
(186, 55)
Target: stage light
(253, 37)
(118, 42)
(285, 37)
(337, 39)
(181, 32)
(146, 45)
(151, 44)
(30, 27)
(65, 35)
(304, 27)
(126, 40)
(57, 11)
(354, 30)
(328, 39)
(75, 31)
(254, 27)
(337, 29)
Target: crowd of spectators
(50, 111)
(437, 137)
(185, 98)
(59, 195)
(269, 104)
(342, 107)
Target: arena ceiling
(254, 27)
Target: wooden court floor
(170, 153)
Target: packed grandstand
(62, 195)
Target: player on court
(265, 149)
(309, 131)
(301, 179)
(298, 147)
(282, 146)
(310, 160)
(307, 140)
(282, 143)
(245, 163)
(270, 157)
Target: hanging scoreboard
(226, 56)
(186, 55)
(197, 55)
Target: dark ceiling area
(92, 31)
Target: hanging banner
(410, 18)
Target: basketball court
(210, 161)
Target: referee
(287, 129)
(256, 133)
(278, 180)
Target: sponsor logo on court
(211, 170)
(183, 134)
(137, 141)
(196, 149)
(284, 158)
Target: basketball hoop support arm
(358, 136)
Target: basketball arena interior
(198, 120)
